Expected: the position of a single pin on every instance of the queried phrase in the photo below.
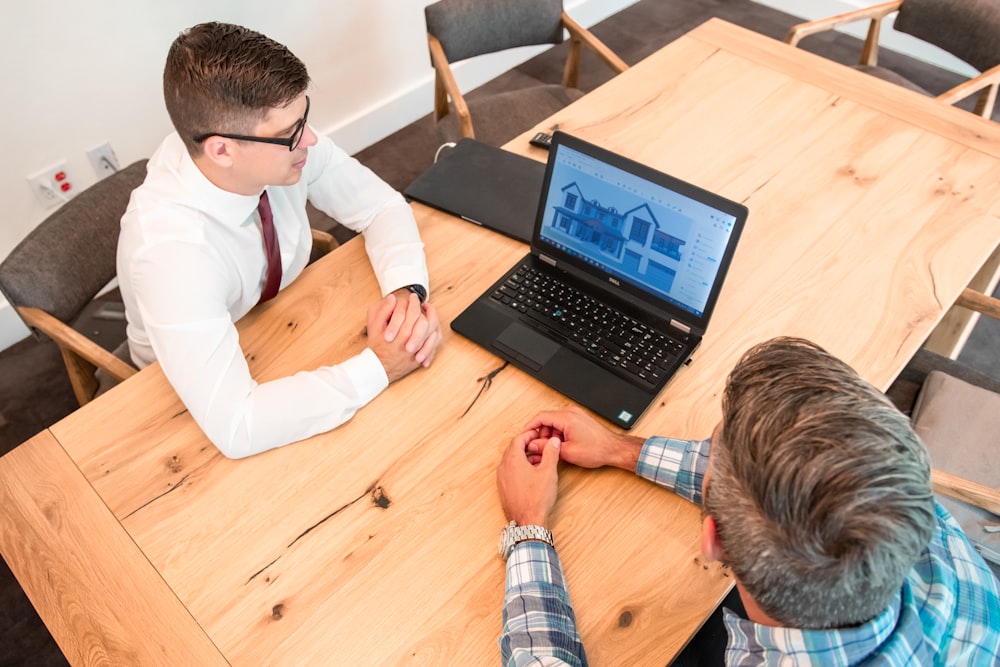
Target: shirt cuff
(678, 465)
(534, 562)
(404, 277)
(367, 374)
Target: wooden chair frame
(445, 86)
(83, 357)
(986, 84)
(953, 486)
(323, 242)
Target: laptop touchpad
(529, 347)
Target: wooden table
(871, 208)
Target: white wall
(78, 74)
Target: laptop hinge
(683, 327)
(548, 260)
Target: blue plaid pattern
(678, 465)
(539, 627)
(947, 612)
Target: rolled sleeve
(539, 626)
(678, 465)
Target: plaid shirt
(947, 611)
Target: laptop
(484, 185)
(625, 268)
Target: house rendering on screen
(635, 240)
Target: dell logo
(614, 281)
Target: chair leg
(81, 376)
(440, 98)
(986, 101)
(571, 74)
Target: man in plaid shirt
(840, 553)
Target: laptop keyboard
(605, 333)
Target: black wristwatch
(419, 291)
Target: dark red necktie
(271, 248)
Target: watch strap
(419, 291)
(513, 534)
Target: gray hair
(819, 487)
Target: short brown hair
(819, 487)
(221, 77)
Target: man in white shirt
(192, 258)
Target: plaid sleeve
(539, 626)
(678, 465)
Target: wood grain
(114, 609)
(966, 490)
(870, 210)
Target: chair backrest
(66, 260)
(468, 28)
(968, 29)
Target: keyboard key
(603, 332)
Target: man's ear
(218, 151)
(711, 547)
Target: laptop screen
(638, 231)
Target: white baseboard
(396, 112)
(399, 110)
(12, 329)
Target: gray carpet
(34, 390)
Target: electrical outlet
(53, 186)
(103, 159)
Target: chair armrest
(323, 242)
(953, 486)
(580, 33)
(979, 302)
(446, 81)
(987, 82)
(69, 338)
(875, 14)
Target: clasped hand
(403, 333)
(528, 478)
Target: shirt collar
(229, 208)
(846, 646)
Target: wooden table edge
(99, 596)
(925, 112)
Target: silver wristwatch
(513, 533)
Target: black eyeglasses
(292, 142)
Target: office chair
(53, 274)
(461, 29)
(968, 29)
(58, 269)
(956, 412)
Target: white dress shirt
(191, 263)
